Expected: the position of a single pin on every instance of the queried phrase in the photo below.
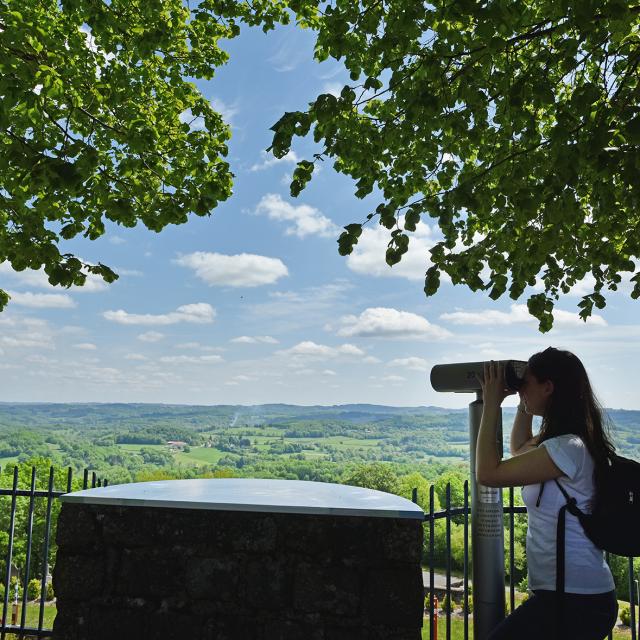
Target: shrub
(625, 615)
(33, 589)
(523, 585)
(469, 608)
(50, 594)
(447, 604)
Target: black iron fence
(462, 513)
(27, 514)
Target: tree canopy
(515, 126)
(99, 121)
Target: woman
(571, 446)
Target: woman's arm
(522, 439)
(528, 468)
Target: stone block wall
(165, 574)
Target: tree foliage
(515, 126)
(378, 476)
(99, 121)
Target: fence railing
(27, 511)
(511, 510)
(20, 504)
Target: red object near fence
(435, 617)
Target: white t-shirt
(585, 568)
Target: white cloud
(85, 346)
(197, 313)
(135, 356)
(519, 314)
(307, 305)
(242, 378)
(334, 88)
(393, 378)
(383, 322)
(191, 359)
(254, 340)
(39, 279)
(227, 111)
(566, 318)
(351, 350)
(42, 300)
(414, 363)
(313, 350)
(368, 257)
(24, 332)
(37, 358)
(116, 240)
(306, 220)
(151, 336)
(242, 270)
(268, 160)
(197, 346)
(286, 51)
(28, 339)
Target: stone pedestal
(236, 571)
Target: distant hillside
(42, 414)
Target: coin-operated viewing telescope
(462, 377)
(487, 535)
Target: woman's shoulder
(568, 452)
(567, 440)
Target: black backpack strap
(572, 504)
(560, 536)
(572, 508)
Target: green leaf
(432, 281)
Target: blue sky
(254, 304)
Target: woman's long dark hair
(572, 407)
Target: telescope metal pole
(487, 538)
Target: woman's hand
(494, 389)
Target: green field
(135, 448)
(199, 456)
(262, 443)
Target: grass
(135, 448)
(33, 614)
(457, 628)
(457, 623)
(199, 456)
